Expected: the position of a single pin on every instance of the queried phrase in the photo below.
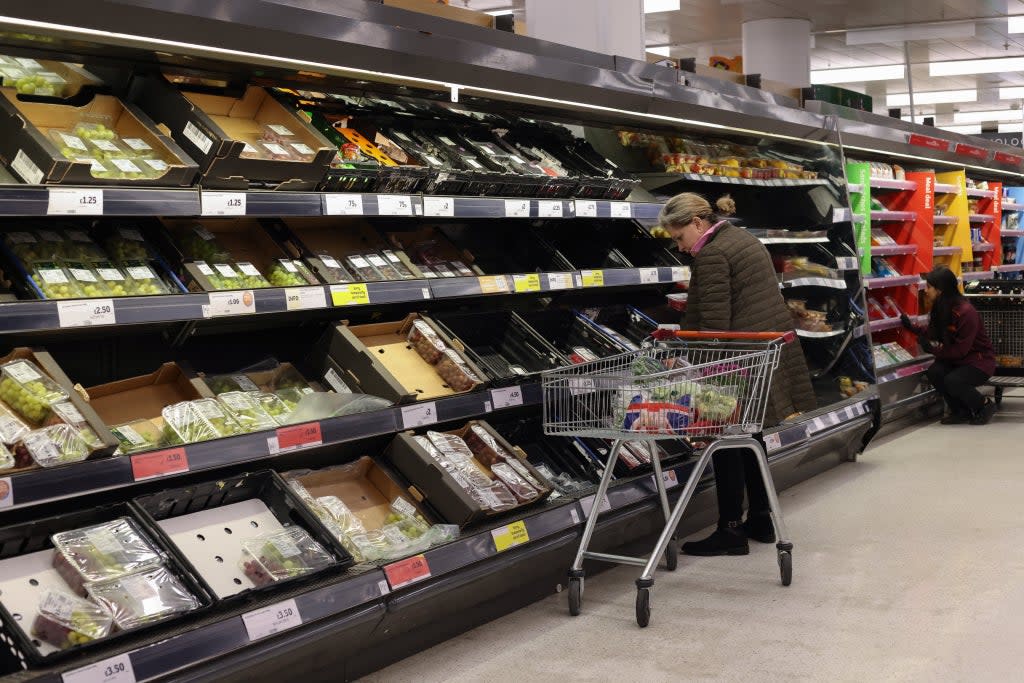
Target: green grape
(281, 277)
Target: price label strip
(438, 206)
(343, 204)
(509, 397)
(592, 278)
(159, 464)
(586, 209)
(649, 276)
(408, 571)
(294, 437)
(350, 295)
(114, 670)
(558, 281)
(549, 209)
(419, 415)
(394, 205)
(305, 298)
(526, 283)
(74, 202)
(86, 313)
(510, 536)
(276, 618)
(231, 303)
(223, 203)
(517, 208)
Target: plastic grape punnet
(282, 555)
(144, 597)
(102, 552)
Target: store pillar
(612, 27)
(779, 50)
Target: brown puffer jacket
(734, 287)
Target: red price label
(971, 151)
(299, 436)
(1004, 158)
(407, 571)
(159, 463)
(925, 141)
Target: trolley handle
(713, 335)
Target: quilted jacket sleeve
(713, 270)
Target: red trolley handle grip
(708, 335)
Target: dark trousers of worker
(957, 384)
(736, 469)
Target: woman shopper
(734, 287)
(964, 355)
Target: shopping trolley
(1000, 303)
(707, 386)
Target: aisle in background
(908, 567)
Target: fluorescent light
(1015, 24)
(963, 130)
(858, 74)
(662, 50)
(899, 34)
(1014, 93)
(660, 6)
(500, 12)
(1011, 127)
(983, 116)
(934, 97)
(965, 67)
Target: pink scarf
(705, 237)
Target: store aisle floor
(909, 566)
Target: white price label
(680, 273)
(648, 276)
(288, 265)
(105, 145)
(52, 276)
(138, 144)
(507, 397)
(438, 206)
(304, 298)
(280, 130)
(276, 149)
(71, 201)
(560, 281)
(73, 141)
(343, 204)
(549, 209)
(114, 670)
(419, 415)
(265, 622)
(86, 313)
(156, 164)
(82, 274)
(303, 148)
(588, 505)
(586, 209)
(517, 208)
(772, 442)
(670, 478)
(394, 205)
(621, 210)
(26, 168)
(126, 166)
(575, 516)
(144, 273)
(223, 203)
(225, 270)
(248, 269)
(110, 274)
(231, 303)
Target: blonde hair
(684, 207)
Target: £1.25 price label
(113, 670)
(86, 313)
(267, 621)
(223, 203)
(69, 201)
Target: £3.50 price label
(350, 295)
(507, 397)
(86, 313)
(74, 202)
(527, 283)
(114, 670)
(267, 621)
(343, 204)
(159, 463)
(419, 415)
(407, 571)
(510, 536)
(223, 203)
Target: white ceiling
(712, 27)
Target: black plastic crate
(32, 537)
(632, 324)
(502, 344)
(578, 245)
(382, 179)
(562, 456)
(575, 336)
(202, 552)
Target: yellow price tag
(527, 283)
(510, 536)
(592, 278)
(493, 284)
(349, 295)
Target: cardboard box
(439, 488)
(48, 364)
(380, 360)
(143, 397)
(466, 16)
(25, 145)
(214, 130)
(365, 486)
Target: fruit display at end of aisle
(142, 598)
(66, 620)
(25, 389)
(102, 551)
(282, 555)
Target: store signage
(267, 621)
(508, 397)
(86, 313)
(929, 142)
(159, 463)
(510, 536)
(971, 151)
(223, 203)
(113, 670)
(73, 202)
(350, 295)
(407, 571)
(343, 204)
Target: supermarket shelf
(978, 275)
(893, 216)
(769, 237)
(914, 366)
(830, 283)
(946, 251)
(897, 281)
(1012, 206)
(807, 334)
(971, 192)
(981, 218)
(35, 200)
(945, 220)
(982, 247)
(893, 249)
(1011, 233)
(892, 184)
(666, 178)
(1009, 268)
(944, 188)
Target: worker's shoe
(985, 414)
(727, 539)
(759, 527)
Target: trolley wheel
(643, 606)
(575, 596)
(999, 397)
(786, 566)
(672, 555)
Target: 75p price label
(343, 204)
(74, 202)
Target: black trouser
(733, 468)
(957, 386)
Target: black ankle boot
(759, 527)
(727, 539)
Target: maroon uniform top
(969, 343)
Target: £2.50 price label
(113, 670)
(86, 313)
(407, 571)
(350, 295)
(267, 621)
(74, 202)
